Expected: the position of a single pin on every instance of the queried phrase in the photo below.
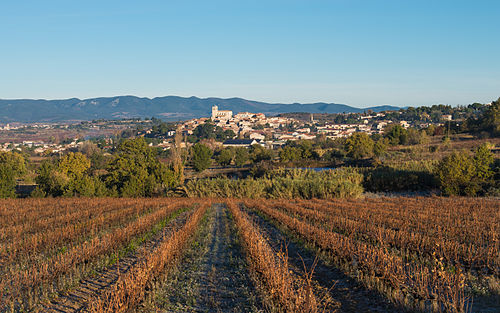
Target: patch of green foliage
(208, 130)
(201, 157)
(12, 166)
(463, 174)
(283, 183)
(135, 171)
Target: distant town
(238, 129)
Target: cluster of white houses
(274, 131)
(250, 128)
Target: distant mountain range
(168, 108)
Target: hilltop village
(224, 128)
(273, 131)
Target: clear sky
(361, 53)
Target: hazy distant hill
(170, 107)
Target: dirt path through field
(351, 295)
(77, 299)
(212, 276)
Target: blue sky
(356, 52)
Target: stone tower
(215, 110)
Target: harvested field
(233, 255)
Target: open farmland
(220, 255)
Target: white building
(257, 136)
(221, 114)
(244, 115)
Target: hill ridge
(167, 107)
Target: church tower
(215, 110)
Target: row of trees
(202, 156)
(132, 171)
(358, 146)
(487, 123)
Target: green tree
(7, 181)
(89, 186)
(455, 173)
(12, 166)
(490, 121)
(483, 161)
(396, 134)
(201, 157)
(259, 153)
(225, 156)
(306, 148)
(66, 177)
(359, 145)
(241, 156)
(415, 137)
(380, 147)
(16, 161)
(74, 165)
(51, 181)
(204, 131)
(135, 171)
(290, 154)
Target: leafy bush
(359, 145)
(7, 182)
(463, 174)
(12, 166)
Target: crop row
(405, 281)
(24, 286)
(467, 221)
(409, 243)
(131, 286)
(72, 233)
(293, 293)
(30, 211)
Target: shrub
(456, 175)
(7, 182)
(462, 174)
(281, 183)
(359, 145)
